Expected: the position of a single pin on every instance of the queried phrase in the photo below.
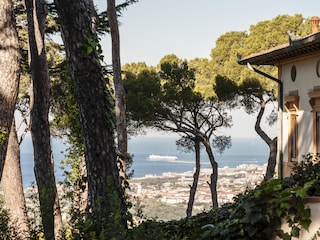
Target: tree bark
(9, 74)
(272, 160)
(96, 111)
(12, 187)
(214, 176)
(193, 188)
(272, 143)
(120, 95)
(40, 129)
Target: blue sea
(243, 151)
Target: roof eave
(286, 51)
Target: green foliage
(225, 88)
(167, 100)
(33, 213)
(255, 214)
(274, 32)
(6, 232)
(250, 94)
(136, 68)
(307, 170)
(103, 220)
(3, 134)
(221, 143)
(231, 45)
(142, 95)
(224, 55)
(204, 76)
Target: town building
(298, 63)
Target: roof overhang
(295, 49)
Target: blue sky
(151, 29)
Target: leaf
(305, 223)
(284, 205)
(89, 49)
(295, 231)
(254, 218)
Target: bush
(306, 171)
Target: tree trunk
(40, 129)
(119, 89)
(96, 112)
(214, 176)
(272, 161)
(12, 187)
(196, 174)
(9, 74)
(272, 143)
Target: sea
(243, 151)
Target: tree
(96, 107)
(253, 97)
(40, 128)
(120, 95)
(190, 145)
(224, 60)
(274, 32)
(12, 187)
(204, 74)
(167, 101)
(224, 55)
(256, 97)
(9, 77)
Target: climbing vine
(94, 48)
(3, 134)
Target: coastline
(165, 196)
(170, 191)
(205, 170)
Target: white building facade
(298, 64)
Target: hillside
(165, 197)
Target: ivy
(94, 47)
(3, 133)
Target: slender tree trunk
(40, 129)
(272, 161)
(272, 143)
(96, 113)
(193, 188)
(12, 187)
(119, 89)
(214, 176)
(9, 74)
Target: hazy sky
(151, 29)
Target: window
(293, 138)
(315, 104)
(292, 108)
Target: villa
(298, 63)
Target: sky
(151, 29)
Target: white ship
(153, 157)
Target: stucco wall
(306, 79)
